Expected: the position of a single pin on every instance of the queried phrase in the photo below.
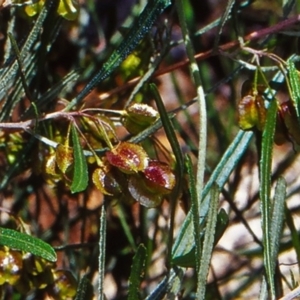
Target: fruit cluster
(129, 172)
(124, 170)
(27, 273)
(252, 114)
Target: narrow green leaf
(170, 133)
(195, 211)
(20, 65)
(185, 240)
(27, 243)
(188, 259)
(102, 253)
(53, 92)
(277, 216)
(288, 6)
(195, 73)
(10, 73)
(9, 76)
(208, 242)
(124, 223)
(84, 289)
(169, 283)
(225, 17)
(263, 293)
(143, 24)
(295, 85)
(276, 229)
(80, 177)
(137, 272)
(222, 223)
(265, 187)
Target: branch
(203, 55)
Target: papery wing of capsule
(247, 113)
(251, 108)
(159, 177)
(128, 157)
(138, 117)
(140, 192)
(106, 182)
(99, 126)
(64, 157)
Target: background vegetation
(149, 149)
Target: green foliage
(26, 243)
(80, 178)
(265, 190)
(137, 272)
(120, 174)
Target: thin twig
(203, 55)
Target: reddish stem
(212, 52)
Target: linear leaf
(208, 242)
(188, 260)
(102, 253)
(288, 7)
(277, 216)
(171, 281)
(170, 133)
(137, 272)
(295, 85)
(80, 177)
(265, 188)
(9, 76)
(195, 211)
(10, 73)
(143, 24)
(225, 17)
(185, 241)
(27, 243)
(83, 289)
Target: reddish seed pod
(252, 112)
(159, 177)
(150, 187)
(140, 192)
(128, 157)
